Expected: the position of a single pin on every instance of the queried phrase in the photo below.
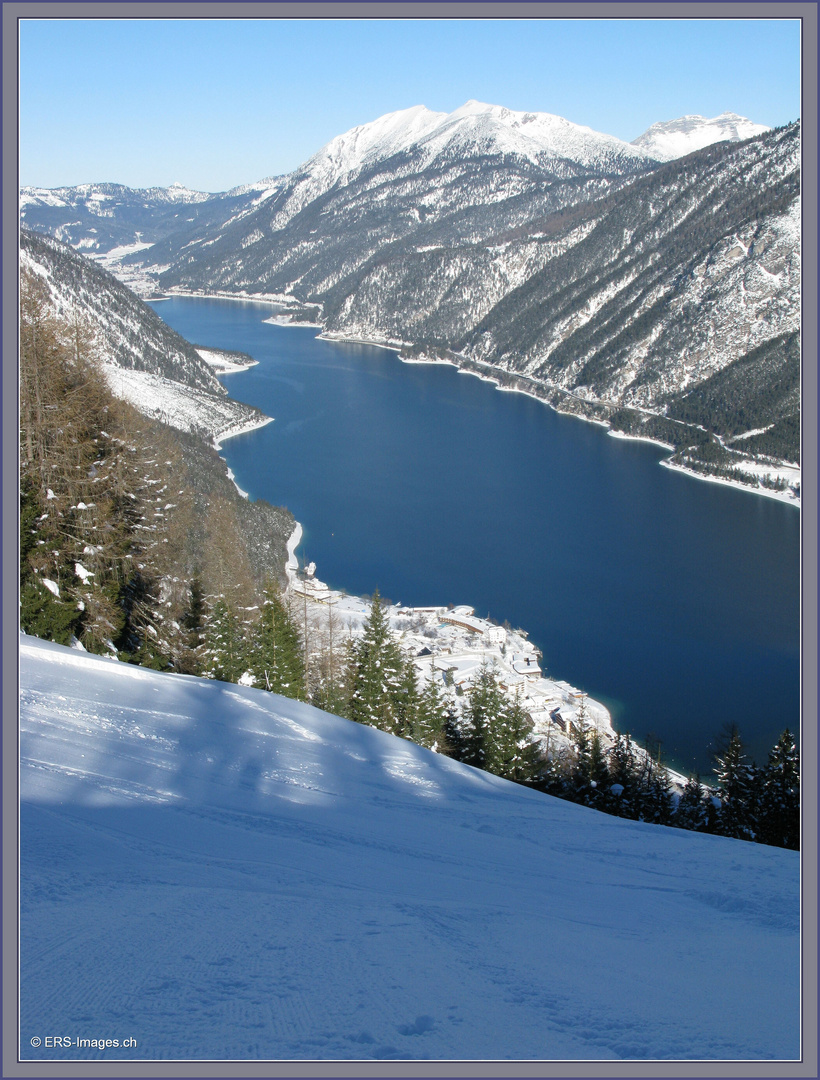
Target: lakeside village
(454, 643)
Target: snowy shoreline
(278, 299)
(292, 564)
(232, 478)
(769, 493)
(244, 429)
(218, 360)
(779, 496)
(641, 438)
(282, 320)
(342, 339)
(431, 361)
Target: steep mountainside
(145, 360)
(132, 335)
(687, 271)
(534, 248)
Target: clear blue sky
(217, 103)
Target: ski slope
(214, 872)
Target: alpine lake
(674, 601)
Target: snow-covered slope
(216, 872)
(671, 139)
(533, 135)
(144, 360)
(471, 131)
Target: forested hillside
(120, 515)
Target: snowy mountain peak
(671, 139)
(475, 126)
(531, 135)
(474, 129)
(374, 141)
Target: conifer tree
(598, 771)
(376, 672)
(779, 817)
(480, 721)
(736, 790)
(188, 659)
(581, 788)
(45, 615)
(432, 713)
(692, 811)
(655, 796)
(276, 659)
(224, 648)
(556, 772)
(517, 756)
(621, 784)
(407, 700)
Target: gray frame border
(191, 9)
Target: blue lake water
(674, 601)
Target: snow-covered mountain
(215, 872)
(535, 247)
(97, 217)
(145, 361)
(669, 139)
(474, 130)
(493, 129)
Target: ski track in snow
(224, 874)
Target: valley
(411, 613)
(658, 295)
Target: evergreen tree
(432, 714)
(588, 769)
(598, 772)
(622, 779)
(583, 752)
(692, 811)
(556, 772)
(45, 615)
(779, 817)
(736, 791)
(193, 620)
(276, 659)
(480, 722)
(495, 733)
(655, 795)
(376, 672)
(516, 756)
(188, 657)
(138, 641)
(407, 700)
(224, 648)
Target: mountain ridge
(508, 240)
(144, 360)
